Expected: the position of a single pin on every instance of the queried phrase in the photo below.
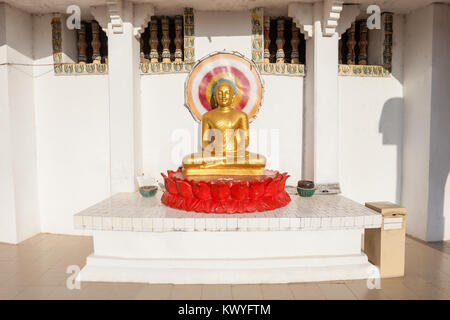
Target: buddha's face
(224, 94)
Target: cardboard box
(385, 247)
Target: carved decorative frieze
(356, 64)
(178, 39)
(56, 39)
(165, 40)
(69, 69)
(95, 43)
(81, 44)
(257, 35)
(189, 35)
(266, 39)
(141, 50)
(284, 63)
(182, 57)
(351, 43)
(388, 19)
(161, 67)
(280, 40)
(295, 41)
(153, 40)
(282, 69)
(363, 71)
(78, 69)
(362, 44)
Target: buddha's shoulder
(208, 114)
(241, 113)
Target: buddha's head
(223, 94)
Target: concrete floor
(36, 269)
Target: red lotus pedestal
(217, 194)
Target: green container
(148, 191)
(306, 192)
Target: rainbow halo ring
(224, 66)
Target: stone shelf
(132, 212)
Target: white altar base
(138, 239)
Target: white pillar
(426, 165)
(124, 82)
(19, 206)
(322, 62)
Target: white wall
(222, 30)
(371, 138)
(20, 214)
(281, 117)
(166, 124)
(72, 116)
(371, 117)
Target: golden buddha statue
(224, 140)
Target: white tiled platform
(139, 239)
(132, 212)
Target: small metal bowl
(305, 184)
(148, 191)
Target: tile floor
(36, 269)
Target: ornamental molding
(302, 15)
(165, 67)
(115, 13)
(347, 17)
(331, 13)
(282, 69)
(363, 71)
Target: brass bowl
(148, 191)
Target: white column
(426, 166)
(123, 64)
(19, 206)
(322, 61)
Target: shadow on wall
(391, 118)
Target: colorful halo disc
(218, 67)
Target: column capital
(331, 14)
(113, 13)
